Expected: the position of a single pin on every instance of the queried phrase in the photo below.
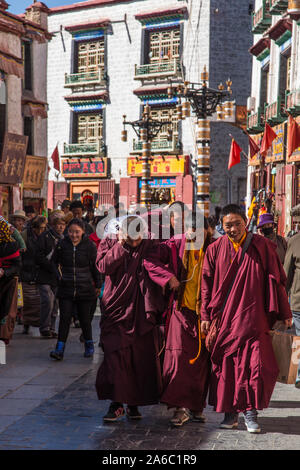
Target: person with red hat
(266, 229)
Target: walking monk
(244, 368)
(186, 368)
(130, 371)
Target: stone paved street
(49, 405)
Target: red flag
(293, 139)
(254, 148)
(235, 154)
(55, 158)
(269, 136)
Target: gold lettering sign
(13, 158)
(34, 172)
(160, 166)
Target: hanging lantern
(179, 111)
(186, 109)
(220, 112)
(124, 135)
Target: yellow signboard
(160, 166)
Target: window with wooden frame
(89, 128)
(284, 73)
(27, 62)
(264, 85)
(288, 73)
(164, 45)
(90, 56)
(166, 114)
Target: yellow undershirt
(191, 286)
(236, 245)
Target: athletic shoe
(230, 421)
(58, 353)
(251, 421)
(115, 411)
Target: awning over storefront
(31, 107)
(11, 64)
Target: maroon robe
(130, 371)
(244, 368)
(185, 385)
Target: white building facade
(107, 59)
(274, 95)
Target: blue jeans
(296, 321)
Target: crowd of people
(185, 314)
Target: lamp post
(205, 102)
(146, 129)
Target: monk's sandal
(180, 417)
(251, 421)
(115, 411)
(132, 412)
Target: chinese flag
(254, 148)
(293, 139)
(269, 136)
(55, 158)
(235, 154)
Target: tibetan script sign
(278, 151)
(13, 158)
(84, 168)
(34, 172)
(160, 166)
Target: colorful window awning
(11, 64)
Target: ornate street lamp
(204, 102)
(146, 129)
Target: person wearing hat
(17, 223)
(65, 206)
(266, 229)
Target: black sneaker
(132, 412)
(231, 420)
(46, 334)
(115, 411)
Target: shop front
(82, 176)
(294, 163)
(170, 181)
(276, 179)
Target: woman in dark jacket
(10, 263)
(32, 305)
(79, 284)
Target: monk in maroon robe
(244, 368)
(186, 365)
(130, 371)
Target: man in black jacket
(47, 278)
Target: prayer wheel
(186, 109)
(203, 129)
(203, 157)
(228, 109)
(294, 7)
(220, 112)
